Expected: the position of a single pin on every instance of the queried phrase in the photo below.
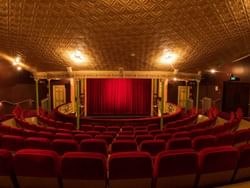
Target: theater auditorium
(124, 93)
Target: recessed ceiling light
(16, 61)
(168, 58)
(213, 71)
(19, 68)
(77, 57)
(132, 54)
(175, 79)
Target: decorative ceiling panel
(131, 34)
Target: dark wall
(15, 87)
(236, 94)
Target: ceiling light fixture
(168, 58)
(77, 57)
(19, 68)
(213, 71)
(16, 61)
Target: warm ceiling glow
(175, 79)
(16, 61)
(19, 68)
(168, 58)
(213, 71)
(77, 57)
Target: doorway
(59, 95)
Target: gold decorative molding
(117, 74)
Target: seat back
(37, 143)
(141, 138)
(94, 145)
(241, 137)
(243, 169)
(201, 142)
(176, 168)
(225, 139)
(217, 165)
(106, 137)
(163, 136)
(153, 146)
(130, 170)
(84, 170)
(80, 137)
(123, 146)
(7, 178)
(179, 143)
(37, 168)
(12, 143)
(61, 135)
(64, 145)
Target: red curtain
(118, 96)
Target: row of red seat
(64, 142)
(170, 169)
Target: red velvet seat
(93, 133)
(141, 138)
(130, 170)
(107, 138)
(225, 139)
(241, 137)
(112, 133)
(7, 178)
(181, 134)
(46, 134)
(64, 145)
(197, 132)
(94, 145)
(125, 137)
(153, 146)
(243, 168)
(176, 169)
(37, 143)
(113, 128)
(128, 128)
(99, 128)
(179, 143)
(217, 165)
(151, 127)
(68, 125)
(163, 136)
(16, 131)
(29, 133)
(201, 142)
(86, 127)
(5, 129)
(63, 136)
(84, 170)
(155, 132)
(141, 132)
(37, 168)
(12, 143)
(126, 133)
(80, 137)
(123, 146)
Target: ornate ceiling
(127, 34)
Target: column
(162, 103)
(165, 95)
(49, 96)
(152, 97)
(78, 105)
(37, 96)
(197, 94)
(85, 97)
(72, 93)
(186, 103)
